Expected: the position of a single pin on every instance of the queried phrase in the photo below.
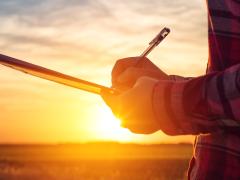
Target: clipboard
(61, 78)
(54, 76)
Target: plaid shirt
(209, 106)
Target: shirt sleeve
(199, 105)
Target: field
(94, 161)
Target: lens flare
(108, 127)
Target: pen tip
(167, 29)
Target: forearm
(205, 104)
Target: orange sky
(84, 39)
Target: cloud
(93, 33)
(127, 17)
(85, 37)
(88, 29)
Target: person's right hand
(135, 106)
(126, 72)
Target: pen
(160, 36)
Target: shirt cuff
(168, 108)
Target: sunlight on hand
(108, 127)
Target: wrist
(162, 107)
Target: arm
(205, 104)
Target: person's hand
(134, 106)
(126, 71)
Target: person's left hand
(134, 106)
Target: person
(207, 106)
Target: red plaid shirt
(209, 106)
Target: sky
(84, 38)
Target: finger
(108, 98)
(139, 128)
(113, 101)
(121, 87)
(130, 75)
(150, 65)
(122, 64)
(133, 127)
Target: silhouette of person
(207, 106)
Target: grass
(95, 161)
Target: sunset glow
(84, 39)
(109, 127)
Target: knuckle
(146, 59)
(142, 79)
(131, 69)
(118, 66)
(119, 61)
(128, 71)
(134, 72)
(122, 61)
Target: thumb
(112, 101)
(107, 97)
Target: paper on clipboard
(51, 75)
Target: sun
(108, 127)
